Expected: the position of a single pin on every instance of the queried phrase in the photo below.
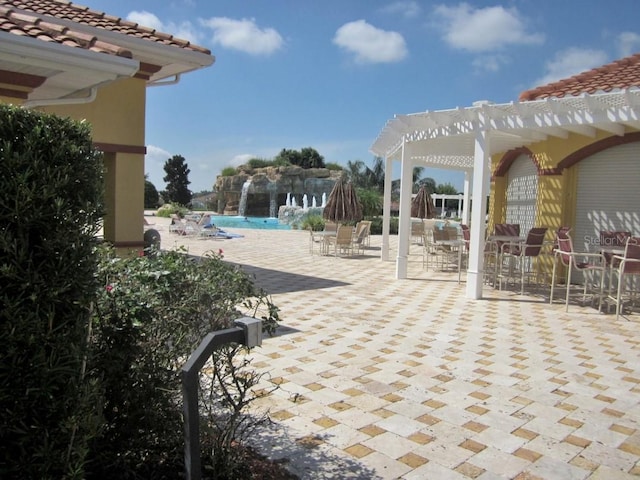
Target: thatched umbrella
(422, 204)
(343, 204)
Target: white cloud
(184, 30)
(570, 62)
(406, 8)
(244, 35)
(484, 29)
(370, 44)
(146, 19)
(154, 162)
(628, 43)
(489, 63)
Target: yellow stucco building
(68, 60)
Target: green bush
(169, 209)
(260, 163)
(371, 201)
(313, 222)
(151, 314)
(51, 190)
(229, 171)
(376, 225)
(333, 166)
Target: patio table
(323, 238)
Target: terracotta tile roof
(620, 74)
(15, 18)
(25, 24)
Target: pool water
(262, 223)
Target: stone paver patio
(382, 378)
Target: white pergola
(466, 138)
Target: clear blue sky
(329, 74)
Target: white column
(480, 189)
(467, 197)
(386, 208)
(460, 196)
(404, 222)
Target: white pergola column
(467, 197)
(386, 208)
(404, 222)
(481, 160)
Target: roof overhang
(446, 138)
(39, 70)
(171, 60)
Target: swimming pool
(262, 223)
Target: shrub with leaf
(169, 209)
(313, 222)
(91, 343)
(51, 207)
(151, 315)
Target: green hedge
(50, 208)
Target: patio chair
(466, 237)
(444, 254)
(417, 231)
(511, 229)
(612, 238)
(315, 237)
(360, 235)
(367, 233)
(361, 228)
(523, 254)
(626, 265)
(587, 263)
(343, 240)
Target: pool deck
(386, 379)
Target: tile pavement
(381, 378)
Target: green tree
(288, 157)
(415, 178)
(415, 182)
(306, 158)
(371, 201)
(356, 172)
(446, 189)
(177, 180)
(375, 174)
(428, 183)
(151, 195)
(311, 158)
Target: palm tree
(375, 175)
(356, 172)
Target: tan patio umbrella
(422, 204)
(343, 204)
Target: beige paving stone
(564, 386)
(413, 460)
(358, 450)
